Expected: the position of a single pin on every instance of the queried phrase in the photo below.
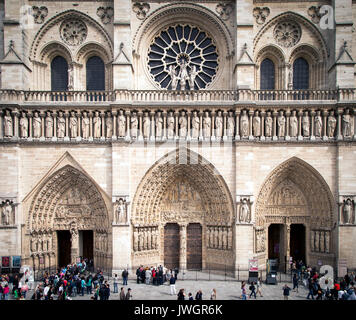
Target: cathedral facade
(192, 134)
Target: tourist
(122, 294)
(295, 282)
(311, 289)
(199, 295)
(168, 275)
(82, 285)
(286, 291)
(116, 282)
(172, 283)
(89, 284)
(213, 294)
(181, 294)
(128, 294)
(190, 296)
(148, 275)
(259, 286)
(125, 276)
(252, 289)
(243, 291)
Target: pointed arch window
(95, 71)
(59, 74)
(300, 74)
(267, 77)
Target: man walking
(172, 283)
(122, 294)
(125, 275)
(253, 290)
(116, 282)
(295, 282)
(286, 291)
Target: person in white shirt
(148, 274)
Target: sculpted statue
(293, 124)
(347, 211)
(36, 125)
(347, 124)
(146, 125)
(331, 124)
(216, 237)
(135, 240)
(281, 124)
(327, 241)
(317, 241)
(306, 124)
(230, 124)
(61, 125)
(182, 125)
(207, 125)
(97, 125)
(108, 124)
(140, 240)
(49, 125)
(268, 124)
(6, 212)
(149, 239)
(134, 125)
(195, 125)
(121, 121)
(159, 124)
(170, 125)
(121, 216)
(73, 125)
(318, 124)
(23, 126)
(256, 125)
(183, 74)
(85, 125)
(219, 122)
(312, 240)
(245, 212)
(322, 241)
(174, 77)
(7, 124)
(192, 76)
(244, 124)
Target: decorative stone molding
(244, 208)
(260, 240)
(73, 31)
(261, 14)
(141, 9)
(347, 209)
(145, 238)
(287, 33)
(219, 237)
(320, 241)
(314, 14)
(39, 14)
(224, 10)
(105, 14)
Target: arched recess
(182, 187)
(67, 199)
(296, 193)
(50, 33)
(184, 13)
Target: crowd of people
(155, 275)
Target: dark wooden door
(88, 244)
(64, 247)
(194, 246)
(171, 245)
(297, 242)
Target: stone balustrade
(106, 124)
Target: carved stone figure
(6, 213)
(174, 77)
(207, 125)
(245, 215)
(135, 239)
(281, 124)
(331, 124)
(318, 124)
(8, 124)
(97, 125)
(121, 212)
(170, 125)
(146, 125)
(317, 241)
(85, 125)
(140, 240)
(108, 125)
(134, 125)
(268, 124)
(121, 121)
(347, 124)
(159, 125)
(322, 241)
(293, 124)
(183, 74)
(219, 122)
(231, 124)
(23, 126)
(244, 125)
(306, 125)
(327, 241)
(37, 123)
(73, 125)
(256, 125)
(195, 125)
(192, 76)
(49, 125)
(182, 125)
(312, 240)
(216, 238)
(61, 125)
(347, 211)
(70, 77)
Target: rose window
(183, 57)
(73, 31)
(287, 33)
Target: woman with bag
(213, 295)
(24, 289)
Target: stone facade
(197, 141)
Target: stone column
(188, 126)
(140, 128)
(164, 133)
(79, 129)
(212, 133)
(288, 113)
(237, 124)
(354, 124)
(90, 115)
(183, 247)
(54, 138)
(128, 137)
(201, 137)
(103, 134)
(1, 126)
(177, 124)
(43, 135)
(114, 125)
(153, 131)
(224, 133)
(325, 116)
(16, 123)
(275, 113)
(250, 119)
(287, 249)
(66, 135)
(300, 114)
(74, 252)
(312, 125)
(30, 115)
(339, 124)
(263, 113)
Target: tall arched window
(267, 75)
(95, 74)
(300, 74)
(59, 74)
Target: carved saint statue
(293, 124)
(219, 122)
(256, 125)
(268, 124)
(245, 212)
(6, 213)
(312, 240)
(244, 126)
(331, 124)
(318, 124)
(73, 125)
(108, 125)
(23, 126)
(206, 125)
(85, 125)
(97, 125)
(174, 77)
(306, 124)
(195, 125)
(146, 125)
(134, 125)
(49, 125)
(231, 124)
(121, 120)
(192, 76)
(170, 125)
(327, 242)
(347, 211)
(182, 125)
(61, 125)
(347, 124)
(281, 124)
(121, 216)
(183, 74)
(159, 124)
(7, 124)
(36, 125)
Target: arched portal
(67, 219)
(183, 188)
(295, 214)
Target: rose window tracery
(287, 33)
(183, 57)
(73, 31)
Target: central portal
(171, 245)
(64, 248)
(194, 246)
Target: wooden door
(171, 245)
(194, 246)
(64, 248)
